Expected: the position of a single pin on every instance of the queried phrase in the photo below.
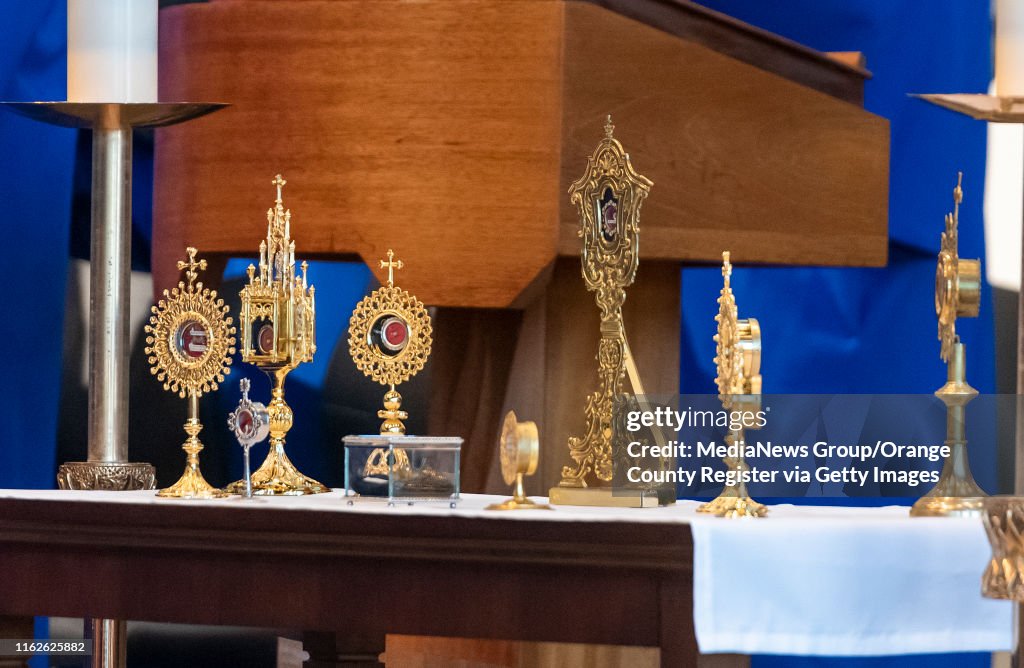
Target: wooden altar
(450, 130)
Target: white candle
(1010, 48)
(112, 50)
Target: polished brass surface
(610, 497)
(1003, 517)
(957, 281)
(956, 494)
(608, 199)
(738, 360)
(519, 452)
(377, 463)
(957, 293)
(367, 346)
(189, 343)
(283, 306)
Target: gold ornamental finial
(726, 267)
(609, 127)
(391, 265)
(280, 183)
(191, 265)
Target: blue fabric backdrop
(873, 330)
(849, 330)
(37, 166)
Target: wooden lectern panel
(450, 130)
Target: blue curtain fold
(37, 198)
(873, 330)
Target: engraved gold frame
(519, 452)
(608, 266)
(390, 370)
(186, 377)
(957, 281)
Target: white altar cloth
(807, 580)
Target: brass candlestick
(738, 358)
(608, 198)
(190, 341)
(957, 293)
(278, 321)
(519, 451)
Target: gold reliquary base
(192, 485)
(734, 507)
(278, 477)
(519, 504)
(948, 506)
(612, 497)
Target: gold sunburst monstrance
(957, 281)
(389, 339)
(738, 362)
(189, 344)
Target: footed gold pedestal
(956, 494)
(521, 504)
(734, 505)
(192, 484)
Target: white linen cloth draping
(826, 581)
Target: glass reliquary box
(396, 467)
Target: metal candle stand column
(107, 466)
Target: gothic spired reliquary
(608, 198)
(189, 343)
(278, 322)
(738, 360)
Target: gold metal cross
(279, 182)
(726, 267)
(191, 265)
(391, 266)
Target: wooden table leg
(12, 628)
(678, 636)
(340, 650)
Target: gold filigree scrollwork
(278, 321)
(184, 304)
(957, 281)
(389, 339)
(189, 343)
(738, 363)
(608, 198)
